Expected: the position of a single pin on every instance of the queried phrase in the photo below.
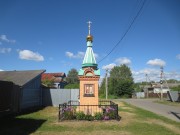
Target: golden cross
(89, 26)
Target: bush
(110, 113)
(80, 115)
(69, 113)
(89, 117)
(98, 116)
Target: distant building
(20, 90)
(58, 79)
(155, 89)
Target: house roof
(20, 77)
(57, 77)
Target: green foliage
(89, 117)
(110, 113)
(72, 79)
(121, 81)
(137, 87)
(80, 115)
(48, 82)
(98, 116)
(176, 88)
(72, 86)
(102, 87)
(69, 113)
(72, 76)
(172, 81)
(110, 96)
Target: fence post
(117, 115)
(59, 112)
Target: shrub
(69, 113)
(98, 116)
(89, 117)
(110, 113)
(106, 117)
(80, 115)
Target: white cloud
(123, 60)
(69, 54)
(1, 70)
(109, 67)
(5, 39)
(5, 50)
(29, 55)
(156, 62)
(149, 71)
(96, 55)
(79, 55)
(153, 74)
(178, 56)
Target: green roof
(89, 59)
(96, 72)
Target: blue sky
(51, 35)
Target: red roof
(57, 77)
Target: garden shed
(20, 90)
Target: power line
(138, 13)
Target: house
(20, 90)
(55, 80)
(155, 89)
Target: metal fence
(54, 97)
(173, 96)
(105, 110)
(139, 94)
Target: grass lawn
(134, 121)
(167, 102)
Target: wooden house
(20, 90)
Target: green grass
(103, 96)
(165, 102)
(134, 121)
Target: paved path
(171, 112)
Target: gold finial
(89, 37)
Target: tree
(72, 76)
(172, 81)
(121, 81)
(48, 82)
(72, 79)
(102, 87)
(137, 87)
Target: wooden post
(106, 84)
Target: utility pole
(106, 84)
(161, 82)
(147, 91)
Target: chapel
(89, 74)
